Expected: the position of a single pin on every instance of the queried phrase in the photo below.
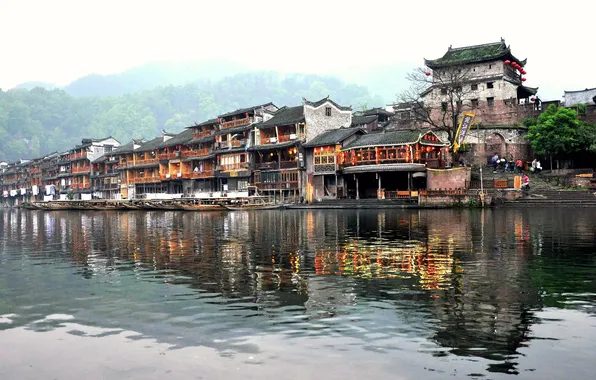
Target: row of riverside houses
(314, 150)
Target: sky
(58, 41)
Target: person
(495, 161)
(519, 165)
(538, 168)
(533, 170)
(526, 182)
(461, 162)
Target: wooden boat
(131, 206)
(29, 206)
(199, 207)
(160, 206)
(252, 206)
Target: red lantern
(533, 99)
(246, 114)
(507, 62)
(427, 73)
(218, 121)
(523, 79)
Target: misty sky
(57, 41)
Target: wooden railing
(273, 165)
(288, 164)
(146, 161)
(228, 167)
(168, 156)
(144, 180)
(277, 185)
(85, 169)
(78, 155)
(196, 152)
(200, 135)
(203, 174)
(79, 185)
(236, 123)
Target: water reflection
(453, 283)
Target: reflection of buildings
(476, 275)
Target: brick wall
(447, 178)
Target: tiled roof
(202, 140)
(151, 145)
(376, 111)
(244, 110)
(181, 138)
(319, 103)
(129, 147)
(361, 120)
(387, 138)
(472, 54)
(99, 159)
(208, 122)
(587, 96)
(285, 116)
(273, 146)
(200, 158)
(234, 130)
(332, 137)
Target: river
(295, 294)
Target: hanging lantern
(218, 121)
(507, 62)
(533, 99)
(246, 114)
(427, 73)
(523, 79)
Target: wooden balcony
(85, 169)
(170, 176)
(229, 167)
(146, 161)
(196, 153)
(277, 185)
(236, 123)
(79, 186)
(168, 156)
(78, 155)
(138, 180)
(203, 174)
(202, 134)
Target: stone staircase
(544, 194)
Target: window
(444, 106)
(443, 91)
(327, 111)
(474, 103)
(474, 87)
(490, 85)
(490, 101)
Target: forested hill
(38, 121)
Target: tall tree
(438, 98)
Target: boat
(253, 203)
(199, 207)
(29, 206)
(247, 207)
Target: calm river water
(425, 294)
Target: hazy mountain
(152, 75)
(39, 121)
(31, 85)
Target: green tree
(556, 132)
